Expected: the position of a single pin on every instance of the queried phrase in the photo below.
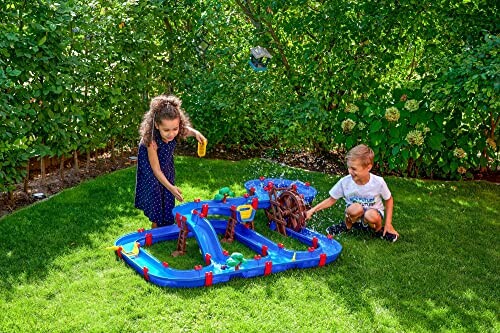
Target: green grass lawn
(441, 276)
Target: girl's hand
(177, 193)
(199, 137)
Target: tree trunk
(42, 170)
(27, 178)
(76, 167)
(87, 167)
(113, 157)
(61, 168)
(97, 161)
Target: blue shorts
(362, 220)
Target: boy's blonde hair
(362, 153)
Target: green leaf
(405, 154)
(14, 72)
(349, 142)
(435, 141)
(376, 126)
(376, 139)
(395, 150)
(42, 40)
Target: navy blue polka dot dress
(150, 195)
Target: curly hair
(163, 107)
(363, 153)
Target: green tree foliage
(417, 80)
(466, 87)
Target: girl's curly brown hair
(163, 107)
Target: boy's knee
(373, 218)
(355, 210)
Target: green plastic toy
(223, 194)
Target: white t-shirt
(369, 195)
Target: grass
(441, 276)
(162, 251)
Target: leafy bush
(416, 81)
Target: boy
(364, 194)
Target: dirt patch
(40, 188)
(331, 163)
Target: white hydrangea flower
(348, 125)
(392, 114)
(459, 152)
(412, 105)
(415, 138)
(436, 106)
(351, 108)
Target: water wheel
(292, 209)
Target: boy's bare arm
(389, 207)
(328, 202)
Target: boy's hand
(389, 228)
(309, 214)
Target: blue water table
(284, 202)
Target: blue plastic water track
(273, 257)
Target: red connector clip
(149, 239)
(264, 250)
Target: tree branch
(167, 24)
(247, 10)
(257, 23)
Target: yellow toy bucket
(245, 211)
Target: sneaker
(361, 226)
(388, 236)
(336, 229)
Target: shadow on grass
(34, 237)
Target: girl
(155, 190)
